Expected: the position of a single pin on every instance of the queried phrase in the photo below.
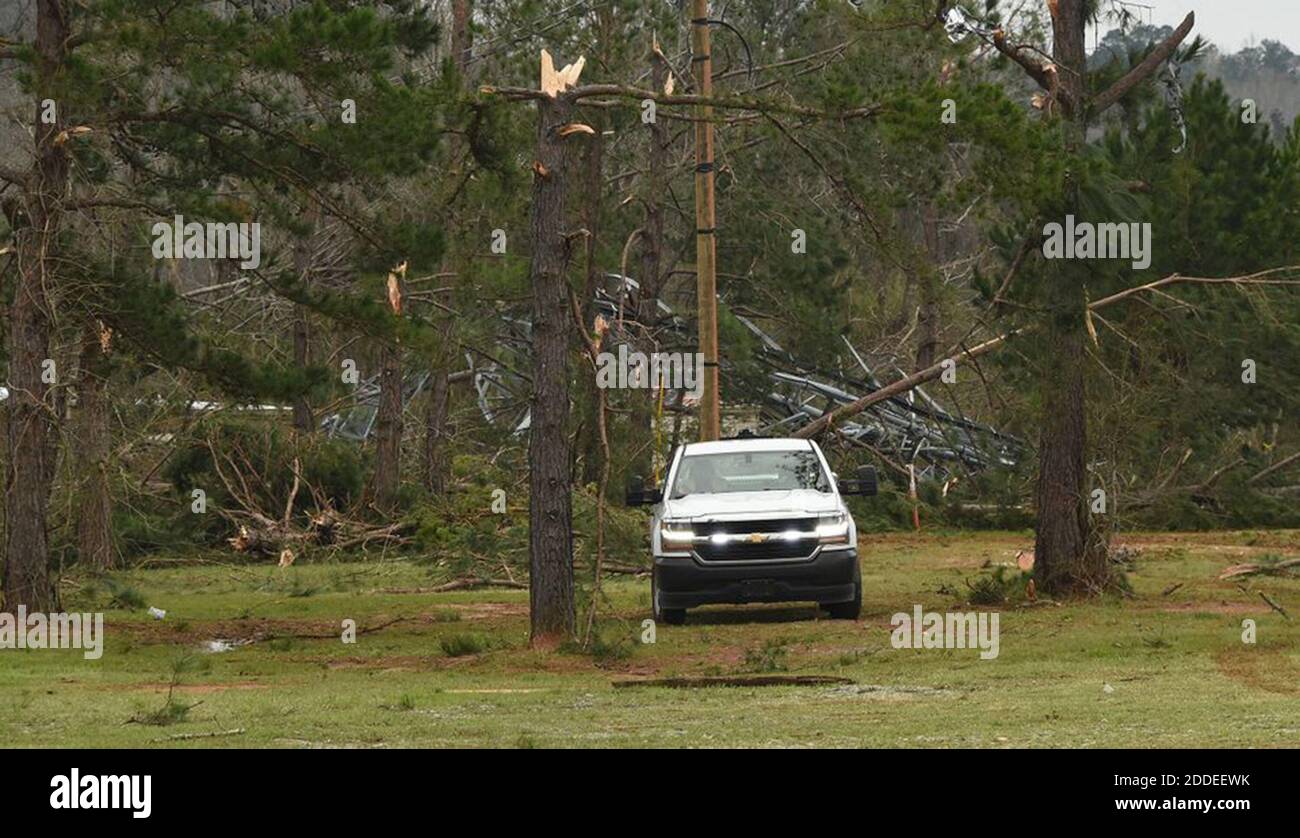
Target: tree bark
(928, 324)
(303, 420)
(29, 407)
(651, 279)
(388, 431)
(389, 421)
(550, 525)
(592, 192)
(1063, 562)
(437, 471)
(93, 444)
(461, 12)
(435, 431)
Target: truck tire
(671, 616)
(852, 609)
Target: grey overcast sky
(1233, 24)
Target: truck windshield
(749, 471)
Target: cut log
(737, 681)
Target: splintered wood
(395, 288)
(555, 83)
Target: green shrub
(770, 657)
(462, 644)
(996, 587)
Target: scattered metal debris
(909, 430)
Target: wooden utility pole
(706, 241)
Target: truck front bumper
(685, 582)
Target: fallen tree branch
(1266, 568)
(466, 582)
(239, 731)
(930, 373)
(737, 681)
(1278, 466)
(637, 94)
(899, 387)
(1271, 604)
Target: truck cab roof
(728, 446)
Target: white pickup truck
(753, 520)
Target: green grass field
(455, 670)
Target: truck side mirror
(865, 483)
(638, 495)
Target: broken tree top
(554, 83)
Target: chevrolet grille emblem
(757, 538)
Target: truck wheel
(852, 609)
(671, 616)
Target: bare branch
(1278, 466)
(747, 103)
(1036, 69)
(1019, 259)
(932, 372)
(1144, 70)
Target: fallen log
(1271, 604)
(736, 681)
(899, 387)
(1278, 466)
(176, 737)
(466, 582)
(1280, 568)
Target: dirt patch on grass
(1267, 669)
(395, 663)
(1223, 607)
(239, 632)
(488, 610)
(200, 631)
(189, 689)
(1247, 540)
(886, 692)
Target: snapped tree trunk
(29, 407)
(386, 480)
(550, 540)
(92, 443)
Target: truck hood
(751, 505)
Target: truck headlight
(833, 529)
(676, 535)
